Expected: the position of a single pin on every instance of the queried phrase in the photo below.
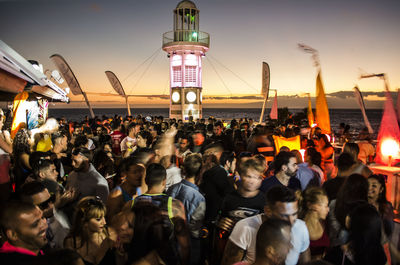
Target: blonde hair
(86, 209)
(90, 207)
(310, 196)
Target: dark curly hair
(21, 142)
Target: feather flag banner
(360, 102)
(70, 78)
(265, 79)
(321, 107)
(274, 109)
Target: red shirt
(117, 138)
(8, 248)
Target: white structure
(186, 46)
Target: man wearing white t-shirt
(281, 203)
(128, 144)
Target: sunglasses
(245, 154)
(44, 205)
(95, 201)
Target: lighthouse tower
(186, 46)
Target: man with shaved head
(273, 242)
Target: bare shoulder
(115, 193)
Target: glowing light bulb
(175, 97)
(390, 147)
(191, 96)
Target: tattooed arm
(232, 254)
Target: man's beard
(291, 173)
(81, 167)
(182, 150)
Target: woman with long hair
(21, 152)
(354, 189)
(364, 245)
(327, 152)
(314, 210)
(377, 198)
(89, 235)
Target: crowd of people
(144, 190)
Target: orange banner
(292, 143)
(321, 107)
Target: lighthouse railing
(200, 37)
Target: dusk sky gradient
(118, 35)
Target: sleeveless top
(125, 195)
(319, 246)
(163, 201)
(108, 259)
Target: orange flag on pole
(321, 107)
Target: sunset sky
(352, 37)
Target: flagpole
(127, 105)
(263, 108)
(88, 104)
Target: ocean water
(353, 117)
